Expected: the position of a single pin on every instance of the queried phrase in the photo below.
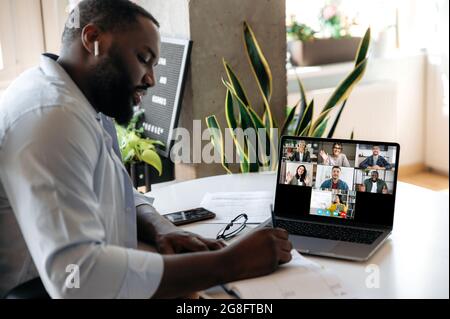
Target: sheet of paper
(228, 205)
(299, 279)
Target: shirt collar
(52, 68)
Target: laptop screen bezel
(325, 219)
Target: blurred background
(403, 96)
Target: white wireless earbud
(96, 49)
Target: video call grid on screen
(336, 172)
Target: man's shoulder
(343, 183)
(39, 95)
(34, 89)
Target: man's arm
(365, 163)
(187, 273)
(153, 229)
(149, 222)
(47, 172)
(386, 164)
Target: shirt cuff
(144, 274)
(141, 199)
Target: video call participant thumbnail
(375, 184)
(338, 206)
(335, 182)
(301, 154)
(300, 178)
(375, 161)
(337, 158)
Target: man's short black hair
(108, 15)
(337, 167)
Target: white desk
(413, 263)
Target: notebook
(299, 279)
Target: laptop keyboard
(360, 236)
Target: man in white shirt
(65, 197)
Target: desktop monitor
(163, 102)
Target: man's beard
(111, 88)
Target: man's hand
(256, 254)
(183, 242)
(259, 253)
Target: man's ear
(91, 39)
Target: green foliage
(300, 31)
(134, 148)
(300, 120)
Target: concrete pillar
(215, 27)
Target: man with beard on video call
(65, 196)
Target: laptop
(339, 200)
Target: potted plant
(241, 115)
(139, 154)
(333, 44)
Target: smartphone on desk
(189, 216)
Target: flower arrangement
(334, 23)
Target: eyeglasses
(233, 228)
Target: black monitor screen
(349, 182)
(163, 101)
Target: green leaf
(245, 112)
(345, 88)
(361, 57)
(236, 84)
(261, 71)
(260, 66)
(232, 124)
(259, 126)
(319, 120)
(306, 119)
(152, 158)
(134, 148)
(304, 100)
(305, 132)
(248, 123)
(363, 48)
(128, 155)
(320, 130)
(289, 119)
(217, 140)
(343, 91)
(336, 121)
(229, 110)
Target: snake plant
(134, 148)
(304, 124)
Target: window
(21, 37)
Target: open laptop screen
(350, 182)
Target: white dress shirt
(374, 187)
(65, 195)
